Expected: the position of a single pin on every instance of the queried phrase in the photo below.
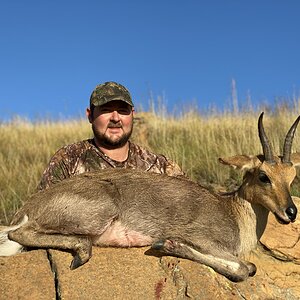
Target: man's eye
(124, 111)
(104, 111)
(264, 178)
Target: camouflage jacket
(84, 156)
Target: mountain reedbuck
(128, 208)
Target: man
(111, 116)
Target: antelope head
(268, 177)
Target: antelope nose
(291, 212)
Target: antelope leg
(222, 262)
(81, 245)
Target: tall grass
(196, 142)
(193, 140)
(25, 149)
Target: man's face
(112, 123)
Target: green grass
(193, 140)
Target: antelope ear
(243, 162)
(295, 159)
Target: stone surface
(134, 274)
(26, 276)
(113, 273)
(283, 240)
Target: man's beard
(108, 143)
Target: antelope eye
(264, 178)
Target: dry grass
(196, 142)
(25, 150)
(193, 140)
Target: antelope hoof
(159, 245)
(80, 258)
(76, 262)
(166, 246)
(83, 252)
(252, 268)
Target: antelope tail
(7, 246)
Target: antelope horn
(287, 146)
(267, 150)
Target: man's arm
(57, 170)
(172, 169)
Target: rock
(283, 241)
(114, 273)
(26, 276)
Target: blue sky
(53, 53)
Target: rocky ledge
(137, 273)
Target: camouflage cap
(109, 91)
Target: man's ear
(295, 159)
(89, 115)
(243, 162)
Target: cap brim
(102, 101)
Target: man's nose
(115, 116)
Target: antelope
(176, 216)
